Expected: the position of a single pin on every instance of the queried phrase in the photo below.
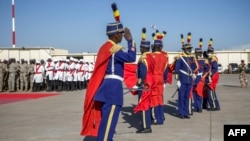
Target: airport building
(224, 56)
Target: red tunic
(145, 100)
(161, 61)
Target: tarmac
(59, 118)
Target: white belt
(182, 71)
(199, 73)
(112, 76)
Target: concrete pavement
(58, 118)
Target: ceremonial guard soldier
(38, 77)
(104, 95)
(145, 68)
(212, 79)
(49, 68)
(186, 66)
(160, 78)
(199, 82)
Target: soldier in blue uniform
(104, 95)
(200, 76)
(110, 92)
(212, 79)
(185, 67)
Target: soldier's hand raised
(127, 34)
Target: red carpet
(15, 97)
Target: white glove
(193, 76)
(164, 85)
(135, 87)
(178, 84)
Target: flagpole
(13, 25)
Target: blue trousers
(110, 115)
(145, 119)
(157, 114)
(197, 100)
(183, 99)
(212, 99)
(145, 115)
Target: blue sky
(79, 25)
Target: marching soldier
(160, 78)
(24, 69)
(145, 69)
(201, 74)
(213, 78)
(186, 66)
(243, 76)
(104, 95)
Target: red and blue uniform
(104, 96)
(200, 78)
(212, 82)
(160, 77)
(145, 78)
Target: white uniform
(49, 67)
(60, 68)
(91, 69)
(71, 71)
(80, 72)
(86, 70)
(39, 70)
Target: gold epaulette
(143, 57)
(214, 58)
(115, 48)
(206, 61)
(177, 57)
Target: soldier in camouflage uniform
(12, 74)
(5, 75)
(17, 76)
(23, 75)
(31, 73)
(2, 70)
(242, 76)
